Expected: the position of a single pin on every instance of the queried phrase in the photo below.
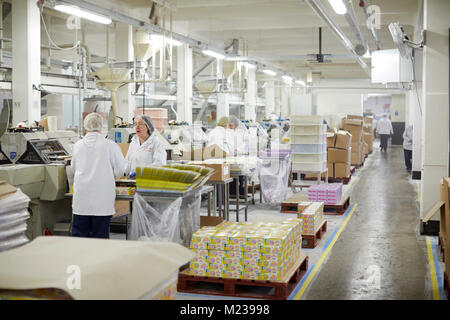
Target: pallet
(357, 166)
(276, 290)
(289, 207)
(310, 240)
(337, 209)
(331, 179)
(447, 286)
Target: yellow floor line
(322, 258)
(434, 282)
(418, 190)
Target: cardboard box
(366, 148)
(352, 122)
(343, 139)
(6, 190)
(338, 155)
(354, 116)
(368, 119)
(342, 170)
(214, 151)
(368, 129)
(124, 148)
(221, 170)
(331, 139)
(121, 207)
(210, 221)
(356, 158)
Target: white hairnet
(148, 122)
(234, 120)
(93, 122)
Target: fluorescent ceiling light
(338, 6)
(82, 14)
(237, 58)
(269, 72)
(301, 82)
(158, 38)
(214, 54)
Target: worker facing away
(384, 130)
(408, 146)
(96, 163)
(238, 136)
(146, 148)
(218, 136)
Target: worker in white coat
(96, 163)
(239, 136)
(384, 130)
(218, 136)
(408, 147)
(146, 148)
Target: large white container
(305, 166)
(309, 129)
(308, 139)
(308, 158)
(294, 120)
(309, 148)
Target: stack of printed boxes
(329, 193)
(311, 214)
(258, 251)
(308, 144)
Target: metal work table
(235, 175)
(224, 196)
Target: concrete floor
(380, 254)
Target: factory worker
(146, 148)
(218, 136)
(237, 131)
(96, 162)
(384, 130)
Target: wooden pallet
(287, 207)
(447, 286)
(337, 209)
(357, 166)
(257, 289)
(310, 240)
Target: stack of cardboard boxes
(368, 134)
(354, 125)
(339, 153)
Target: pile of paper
(259, 251)
(13, 217)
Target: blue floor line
(331, 239)
(299, 285)
(349, 209)
(440, 281)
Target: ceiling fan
(319, 57)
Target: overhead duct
(361, 47)
(320, 11)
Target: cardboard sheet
(109, 269)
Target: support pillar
(435, 129)
(125, 52)
(250, 96)
(223, 105)
(26, 51)
(269, 90)
(184, 83)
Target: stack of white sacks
(308, 144)
(13, 220)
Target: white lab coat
(219, 136)
(384, 126)
(241, 137)
(150, 153)
(408, 138)
(96, 162)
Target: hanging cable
(413, 62)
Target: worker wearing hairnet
(96, 162)
(238, 135)
(146, 148)
(218, 136)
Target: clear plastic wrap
(17, 202)
(274, 178)
(190, 217)
(156, 222)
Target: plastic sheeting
(157, 222)
(173, 221)
(274, 178)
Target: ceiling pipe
(362, 4)
(320, 11)
(361, 47)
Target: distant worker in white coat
(239, 136)
(96, 163)
(218, 136)
(408, 146)
(146, 148)
(384, 129)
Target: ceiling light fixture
(338, 6)
(287, 79)
(82, 14)
(158, 39)
(214, 54)
(269, 72)
(301, 82)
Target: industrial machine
(177, 132)
(121, 135)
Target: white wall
(338, 103)
(398, 108)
